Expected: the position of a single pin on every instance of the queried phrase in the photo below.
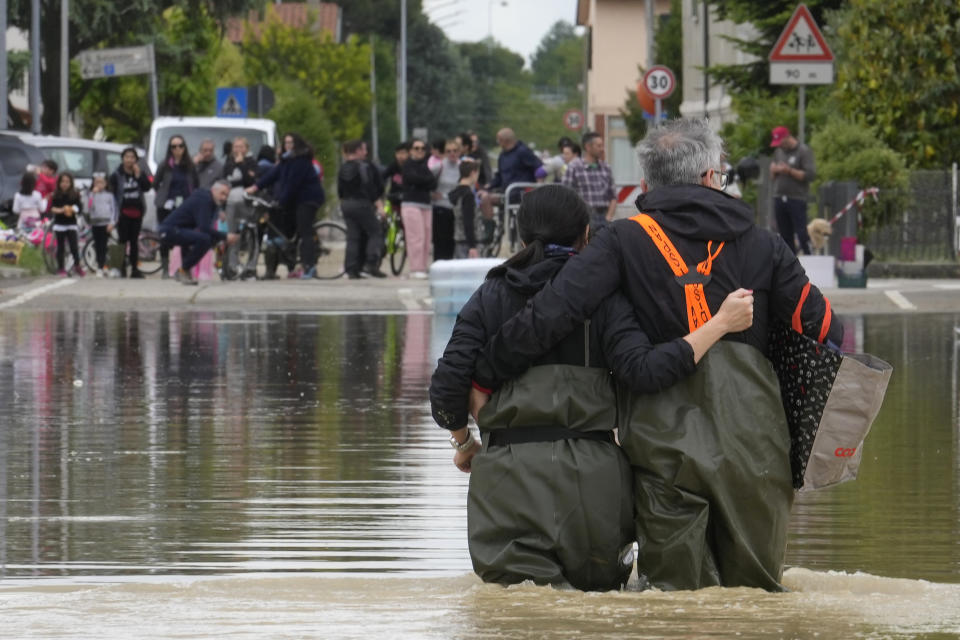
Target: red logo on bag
(844, 453)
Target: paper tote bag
(831, 399)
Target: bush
(850, 151)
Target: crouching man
(193, 227)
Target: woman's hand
(463, 459)
(736, 312)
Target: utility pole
(3, 65)
(373, 99)
(651, 55)
(64, 66)
(403, 69)
(34, 66)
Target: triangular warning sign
(231, 107)
(801, 41)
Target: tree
(187, 49)
(558, 61)
(849, 151)
(102, 23)
(336, 75)
(897, 71)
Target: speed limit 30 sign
(660, 82)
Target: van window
(13, 160)
(113, 160)
(195, 135)
(79, 162)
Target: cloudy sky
(518, 25)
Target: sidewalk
(390, 295)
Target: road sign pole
(658, 113)
(3, 65)
(64, 66)
(801, 108)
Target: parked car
(79, 156)
(15, 156)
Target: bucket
(452, 282)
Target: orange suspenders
(697, 310)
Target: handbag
(831, 400)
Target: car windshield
(78, 162)
(195, 135)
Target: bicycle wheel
(331, 239)
(398, 257)
(89, 256)
(248, 252)
(494, 237)
(149, 248)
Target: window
(79, 162)
(113, 160)
(13, 160)
(193, 136)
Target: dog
(819, 231)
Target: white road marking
(33, 293)
(949, 287)
(897, 298)
(407, 300)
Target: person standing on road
(592, 178)
(516, 163)
(443, 223)
(65, 207)
(209, 169)
(192, 226)
(128, 184)
(176, 179)
(793, 169)
(360, 189)
(240, 170)
(465, 219)
(300, 193)
(103, 218)
(418, 183)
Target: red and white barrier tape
(858, 200)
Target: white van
(194, 130)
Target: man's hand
(463, 460)
(477, 400)
(473, 253)
(251, 189)
(232, 238)
(136, 170)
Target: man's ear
(643, 186)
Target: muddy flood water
(206, 475)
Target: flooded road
(279, 475)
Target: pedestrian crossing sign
(232, 102)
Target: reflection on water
(188, 466)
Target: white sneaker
(419, 275)
(101, 273)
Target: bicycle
(330, 238)
(149, 251)
(396, 245)
(505, 222)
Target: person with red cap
(792, 171)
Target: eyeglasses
(723, 178)
(174, 145)
(417, 148)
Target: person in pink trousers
(416, 211)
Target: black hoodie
(616, 342)
(623, 258)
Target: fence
(925, 230)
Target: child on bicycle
(465, 219)
(65, 207)
(103, 218)
(29, 203)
